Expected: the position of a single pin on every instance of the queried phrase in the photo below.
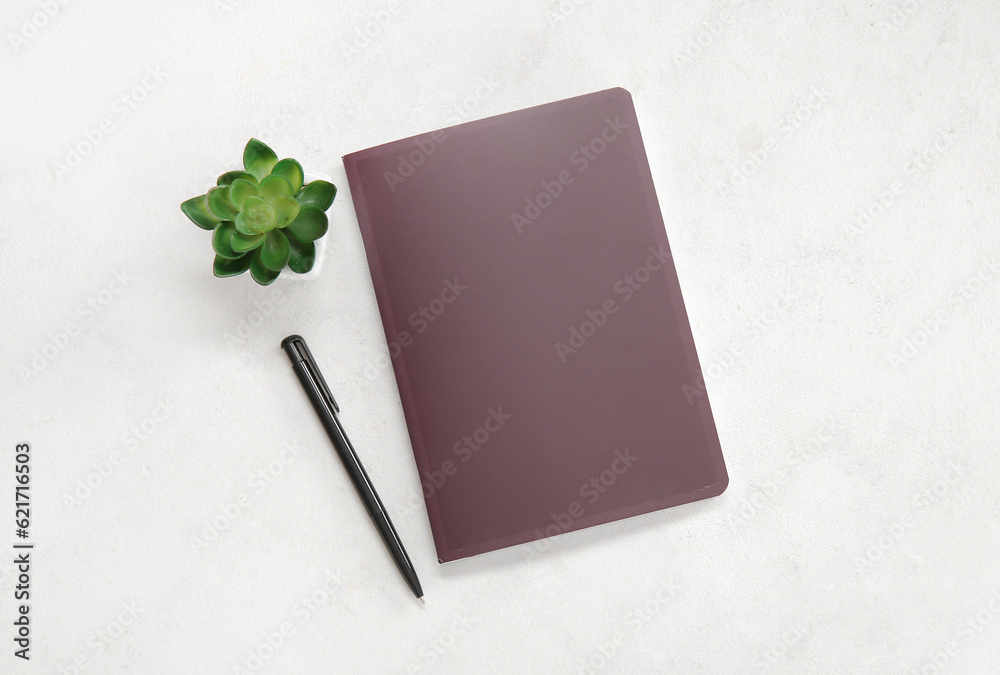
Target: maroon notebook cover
(537, 332)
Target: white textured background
(851, 359)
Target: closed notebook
(541, 348)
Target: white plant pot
(287, 275)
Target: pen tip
(422, 600)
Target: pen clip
(302, 351)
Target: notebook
(543, 355)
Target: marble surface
(828, 176)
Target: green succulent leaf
(318, 194)
(310, 225)
(260, 273)
(286, 210)
(301, 256)
(241, 189)
(220, 204)
(222, 240)
(274, 252)
(230, 177)
(230, 267)
(257, 216)
(197, 210)
(258, 158)
(275, 186)
(291, 171)
(242, 243)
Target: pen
(326, 407)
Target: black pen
(326, 407)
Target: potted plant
(263, 218)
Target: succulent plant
(264, 218)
